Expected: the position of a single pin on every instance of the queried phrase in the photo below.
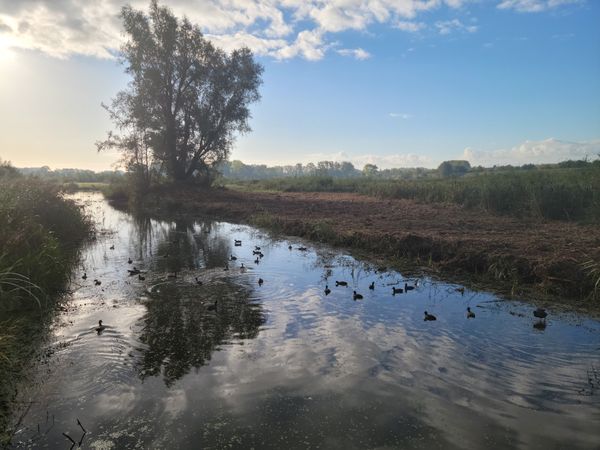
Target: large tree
(186, 100)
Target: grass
(555, 193)
(40, 236)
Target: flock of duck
(539, 313)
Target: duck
(232, 258)
(133, 271)
(97, 282)
(470, 314)
(100, 328)
(255, 252)
(341, 283)
(302, 249)
(289, 247)
(429, 316)
(141, 278)
(257, 261)
(237, 242)
(212, 307)
(461, 290)
(396, 290)
(256, 247)
(226, 268)
(198, 282)
(327, 290)
(372, 285)
(112, 247)
(129, 261)
(356, 296)
(84, 276)
(407, 287)
(540, 313)
(242, 267)
(260, 255)
(260, 281)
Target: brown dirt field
(510, 252)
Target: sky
(396, 83)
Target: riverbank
(40, 236)
(553, 259)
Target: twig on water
(69, 438)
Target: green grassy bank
(40, 236)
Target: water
(282, 365)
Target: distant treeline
(237, 170)
(72, 175)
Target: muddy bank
(519, 257)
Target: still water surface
(282, 365)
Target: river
(283, 365)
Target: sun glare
(6, 53)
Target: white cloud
(454, 25)
(404, 116)
(534, 5)
(534, 152)
(357, 53)
(411, 27)
(278, 28)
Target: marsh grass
(40, 233)
(555, 193)
(40, 237)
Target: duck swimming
(540, 313)
(429, 316)
(84, 276)
(260, 281)
(341, 283)
(407, 287)
(357, 296)
(397, 291)
(100, 328)
(470, 314)
(327, 290)
(372, 285)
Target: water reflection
(283, 365)
(180, 331)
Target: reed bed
(557, 193)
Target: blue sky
(404, 83)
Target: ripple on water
(282, 362)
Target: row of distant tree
(73, 175)
(237, 170)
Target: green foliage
(39, 236)
(186, 101)
(453, 168)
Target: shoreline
(516, 257)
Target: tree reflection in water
(179, 330)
